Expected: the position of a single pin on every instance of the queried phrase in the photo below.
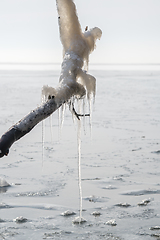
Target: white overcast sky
(131, 30)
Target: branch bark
(26, 124)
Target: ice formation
(74, 79)
(74, 82)
(68, 213)
(48, 92)
(96, 213)
(78, 220)
(20, 219)
(111, 222)
(155, 228)
(79, 169)
(144, 202)
(3, 183)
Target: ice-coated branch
(74, 80)
(26, 124)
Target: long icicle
(80, 219)
(43, 99)
(43, 139)
(79, 169)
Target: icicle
(61, 112)
(84, 112)
(62, 115)
(59, 119)
(43, 137)
(79, 169)
(90, 114)
(43, 99)
(51, 128)
(79, 219)
(71, 104)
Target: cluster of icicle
(74, 79)
(74, 82)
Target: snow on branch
(74, 80)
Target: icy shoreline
(120, 165)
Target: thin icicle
(79, 219)
(43, 99)
(90, 114)
(79, 169)
(59, 129)
(61, 112)
(62, 115)
(84, 112)
(43, 139)
(71, 104)
(51, 128)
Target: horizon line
(57, 63)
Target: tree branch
(73, 80)
(26, 124)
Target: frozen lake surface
(120, 160)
